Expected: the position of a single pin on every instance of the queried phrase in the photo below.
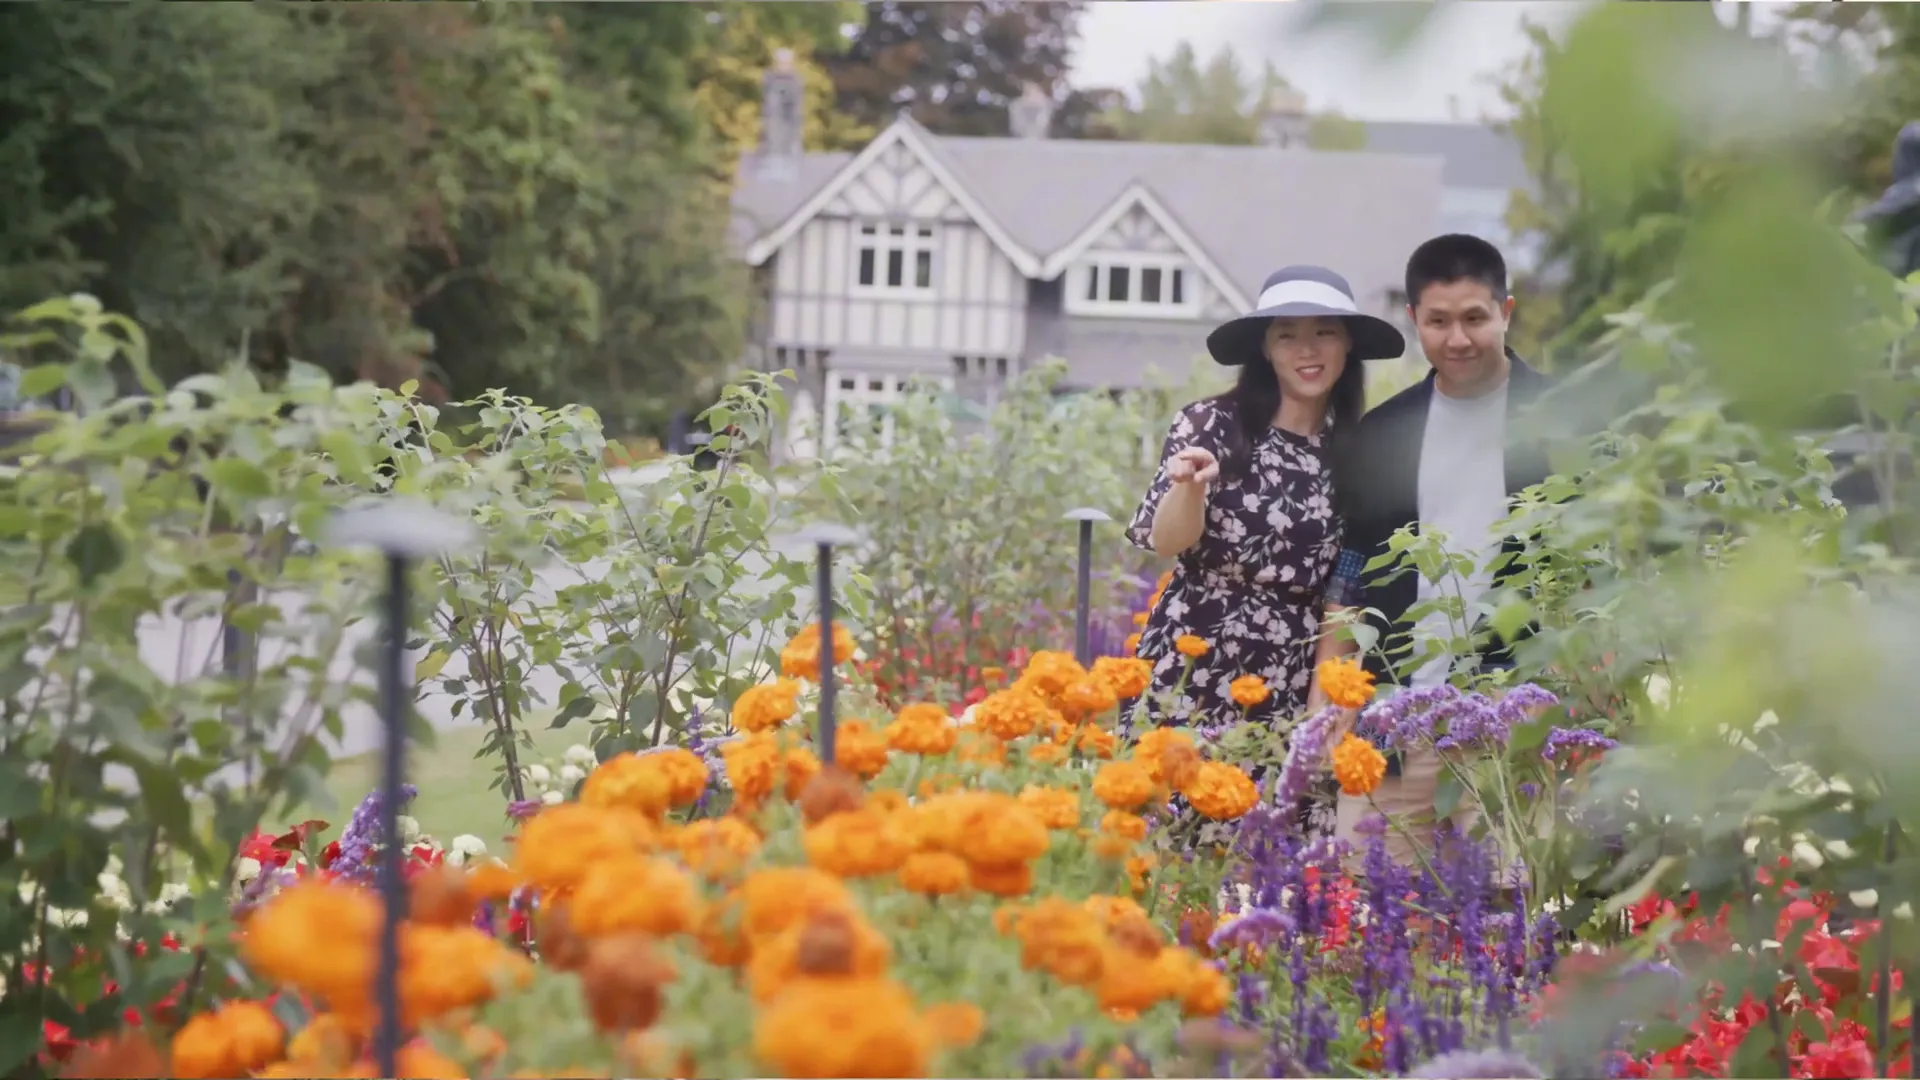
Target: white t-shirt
(1463, 493)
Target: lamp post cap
(398, 526)
(1088, 513)
(827, 532)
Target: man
(1437, 456)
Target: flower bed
(986, 898)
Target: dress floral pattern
(1251, 587)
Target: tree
(1219, 102)
(954, 66)
(742, 40)
(477, 196)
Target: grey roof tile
(1477, 156)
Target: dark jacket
(1385, 497)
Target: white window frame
(1094, 271)
(911, 241)
(868, 390)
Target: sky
(1451, 64)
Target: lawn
(455, 796)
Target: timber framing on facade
(959, 262)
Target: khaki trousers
(1407, 800)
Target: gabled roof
(903, 131)
(1247, 209)
(1138, 195)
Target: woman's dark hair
(1255, 399)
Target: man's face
(1463, 332)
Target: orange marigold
(1123, 785)
(956, 1023)
(934, 873)
(1046, 753)
(921, 729)
(716, 846)
(1010, 714)
(634, 896)
(1124, 824)
(776, 898)
(1221, 791)
(1063, 939)
(1179, 763)
(1057, 808)
(1049, 672)
(1126, 676)
(1358, 766)
(1345, 682)
(998, 831)
(1190, 646)
(1011, 879)
(800, 764)
(858, 843)
(848, 1027)
(765, 707)
(631, 782)
(800, 659)
(1132, 644)
(1093, 739)
(752, 765)
(831, 944)
(859, 749)
(234, 1040)
(686, 774)
(316, 935)
(1154, 742)
(1089, 697)
(1248, 691)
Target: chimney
(1029, 115)
(780, 118)
(1284, 119)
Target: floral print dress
(1251, 587)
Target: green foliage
(476, 197)
(966, 546)
(1218, 102)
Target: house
(961, 261)
(1483, 168)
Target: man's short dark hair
(1456, 257)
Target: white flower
(1840, 849)
(63, 917)
(1806, 856)
(572, 774)
(1865, 898)
(1903, 911)
(581, 756)
(409, 830)
(1751, 846)
(538, 774)
(1767, 719)
(248, 869)
(552, 798)
(464, 847)
(1840, 785)
(114, 892)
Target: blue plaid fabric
(1343, 585)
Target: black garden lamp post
(1083, 600)
(404, 532)
(825, 536)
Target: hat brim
(1243, 340)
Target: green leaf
(19, 792)
(430, 665)
(239, 479)
(1621, 901)
(95, 551)
(571, 711)
(42, 379)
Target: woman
(1244, 502)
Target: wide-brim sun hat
(1302, 292)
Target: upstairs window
(1133, 285)
(894, 259)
